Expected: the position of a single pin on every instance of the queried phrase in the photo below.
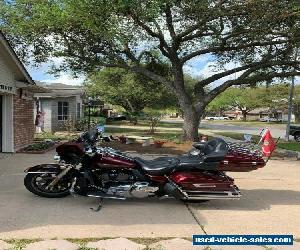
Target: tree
(259, 36)
(221, 103)
(245, 99)
(129, 90)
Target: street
(226, 126)
(270, 205)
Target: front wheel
(38, 183)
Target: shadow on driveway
(254, 200)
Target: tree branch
(257, 65)
(244, 79)
(151, 75)
(163, 44)
(229, 48)
(169, 20)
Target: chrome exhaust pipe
(235, 194)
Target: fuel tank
(107, 161)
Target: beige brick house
(16, 100)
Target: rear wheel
(38, 183)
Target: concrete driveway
(271, 204)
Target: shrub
(82, 125)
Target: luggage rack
(245, 148)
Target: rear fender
(44, 168)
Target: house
(16, 100)
(260, 114)
(62, 103)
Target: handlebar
(90, 137)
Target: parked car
(219, 118)
(270, 119)
(116, 118)
(295, 131)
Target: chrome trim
(214, 195)
(106, 197)
(199, 185)
(40, 172)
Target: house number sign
(7, 89)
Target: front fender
(44, 168)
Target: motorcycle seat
(189, 161)
(212, 152)
(158, 166)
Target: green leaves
(131, 91)
(273, 97)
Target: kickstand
(99, 206)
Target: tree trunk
(244, 116)
(191, 124)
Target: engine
(116, 176)
(137, 190)
(125, 183)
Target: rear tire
(30, 183)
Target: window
(63, 111)
(78, 111)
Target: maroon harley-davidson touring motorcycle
(88, 170)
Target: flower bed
(39, 147)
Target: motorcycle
(86, 169)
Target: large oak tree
(259, 36)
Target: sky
(40, 74)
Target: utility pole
(290, 107)
(89, 115)
(292, 90)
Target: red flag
(269, 144)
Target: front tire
(37, 184)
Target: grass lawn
(146, 123)
(238, 136)
(19, 244)
(249, 123)
(294, 146)
(159, 135)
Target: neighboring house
(16, 100)
(259, 114)
(62, 103)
